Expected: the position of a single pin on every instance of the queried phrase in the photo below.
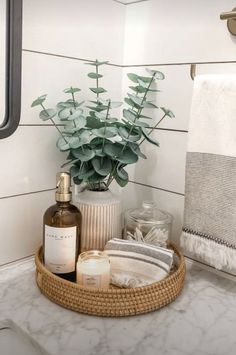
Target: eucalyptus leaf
(75, 115)
(120, 182)
(133, 77)
(113, 149)
(149, 139)
(149, 104)
(96, 178)
(83, 153)
(137, 100)
(127, 156)
(122, 173)
(93, 122)
(47, 114)
(74, 142)
(157, 74)
(105, 132)
(115, 104)
(71, 90)
(66, 112)
(138, 89)
(74, 171)
(129, 136)
(135, 148)
(86, 171)
(63, 144)
(97, 63)
(167, 112)
(102, 166)
(39, 100)
(94, 75)
(98, 90)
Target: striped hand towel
(209, 228)
(135, 264)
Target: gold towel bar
(193, 71)
(231, 20)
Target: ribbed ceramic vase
(101, 218)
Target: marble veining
(200, 322)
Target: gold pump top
(63, 193)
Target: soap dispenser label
(60, 249)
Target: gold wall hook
(193, 71)
(231, 20)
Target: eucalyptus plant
(100, 145)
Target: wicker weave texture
(113, 302)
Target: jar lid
(149, 213)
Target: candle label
(91, 280)
(60, 249)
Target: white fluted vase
(101, 218)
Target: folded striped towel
(135, 264)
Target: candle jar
(93, 269)
(148, 224)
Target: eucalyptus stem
(157, 124)
(54, 123)
(73, 97)
(97, 81)
(131, 128)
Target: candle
(93, 269)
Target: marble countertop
(202, 321)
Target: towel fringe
(217, 255)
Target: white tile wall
(86, 29)
(21, 224)
(165, 165)
(43, 74)
(160, 31)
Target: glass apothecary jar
(148, 224)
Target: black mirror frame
(13, 67)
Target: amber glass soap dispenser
(62, 226)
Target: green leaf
(76, 114)
(74, 171)
(39, 100)
(135, 148)
(113, 149)
(122, 173)
(47, 114)
(103, 132)
(127, 156)
(115, 104)
(83, 153)
(74, 142)
(133, 77)
(138, 89)
(120, 182)
(149, 104)
(134, 119)
(97, 63)
(77, 181)
(138, 101)
(145, 79)
(96, 178)
(94, 75)
(157, 74)
(71, 90)
(127, 136)
(62, 144)
(167, 112)
(86, 171)
(93, 122)
(65, 113)
(102, 166)
(150, 140)
(98, 90)
(129, 115)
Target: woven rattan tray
(114, 302)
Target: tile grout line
(129, 65)
(157, 188)
(61, 125)
(26, 193)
